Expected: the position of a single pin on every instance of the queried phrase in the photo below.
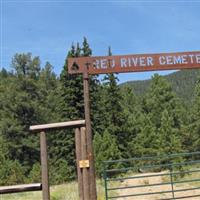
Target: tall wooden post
(78, 158)
(85, 170)
(92, 179)
(44, 163)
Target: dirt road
(148, 189)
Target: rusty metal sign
(84, 164)
(134, 63)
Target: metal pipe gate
(164, 177)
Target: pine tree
(105, 148)
(162, 111)
(170, 136)
(133, 112)
(28, 96)
(159, 98)
(72, 90)
(115, 117)
(94, 88)
(192, 139)
(147, 142)
(20, 109)
(70, 107)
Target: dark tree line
(124, 124)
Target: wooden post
(44, 163)
(85, 171)
(78, 158)
(92, 179)
(20, 188)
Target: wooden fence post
(85, 171)
(90, 156)
(44, 163)
(78, 158)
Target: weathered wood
(44, 163)
(92, 179)
(85, 171)
(20, 188)
(60, 125)
(78, 158)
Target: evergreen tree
(24, 100)
(170, 136)
(94, 88)
(105, 148)
(11, 172)
(3, 151)
(159, 98)
(133, 112)
(3, 73)
(72, 90)
(147, 142)
(162, 111)
(115, 117)
(71, 107)
(20, 110)
(192, 139)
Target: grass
(190, 176)
(68, 191)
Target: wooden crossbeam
(20, 188)
(60, 125)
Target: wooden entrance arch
(122, 64)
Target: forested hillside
(183, 84)
(124, 124)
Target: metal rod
(153, 193)
(44, 163)
(185, 197)
(154, 157)
(105, 182)
(172, 184)
(154, 175)
(151, 185)
(92, 179)
(78, 158)
(153, 166)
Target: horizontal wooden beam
(20, 188)
(134, 63)
(69, 124)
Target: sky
(48, 28)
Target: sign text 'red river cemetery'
(134, 63)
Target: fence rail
(20, 188)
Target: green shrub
(11, 173)
(35, 174)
